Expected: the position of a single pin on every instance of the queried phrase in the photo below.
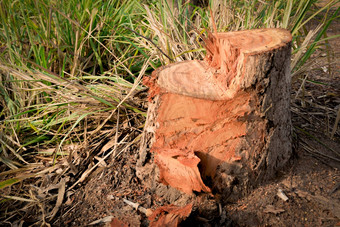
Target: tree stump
(222, 124)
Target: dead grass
(62, 123)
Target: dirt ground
(311, 188)
(311, 181)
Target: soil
(312, 189)
(310, 182)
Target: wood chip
(282, 195)
(272, 209)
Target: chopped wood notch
(222, 123)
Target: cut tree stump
(222, 124)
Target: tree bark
(222, 124)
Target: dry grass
(71, 98)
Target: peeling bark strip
(224, 122)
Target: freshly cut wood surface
(220, 76)
(226, 119)
(258, 40)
